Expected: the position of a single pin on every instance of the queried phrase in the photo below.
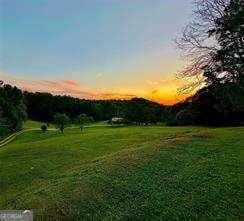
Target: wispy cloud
(162, 91)
(61, 87)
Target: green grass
(127, 173)
(100, 123)
(28, 124)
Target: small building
(117, 120)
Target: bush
(44, 128)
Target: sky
(94, 49)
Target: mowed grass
(30, 124)
(126, 173)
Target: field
(126, 173)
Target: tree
(197, 44)
(169, 117)
(61, 121)
(83, 119)
(12, 108)
(184, 117)
(137, 111)
(228, 59)
(43, 106)
(226, 73)
(214, 43)
(203, 108)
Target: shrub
(44, 128)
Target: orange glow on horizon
(162, 91)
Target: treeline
(204, 108)
(219, 66)
(43, 106)
(16, 106)
(207, 108)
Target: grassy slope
(134, 173)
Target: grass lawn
(29, 124)
(127, 173)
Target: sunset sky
(94, 49)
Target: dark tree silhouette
(43, 106)
(196, 43)
(12, 108)
(61, 121)
(214, 44)
(139, 110)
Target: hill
(129, 173)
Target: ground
(126, 173)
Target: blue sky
(107, 46)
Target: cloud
(116, 96)
(67, 83)
(162, 91)
(61, 87)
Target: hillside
(129, 173)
